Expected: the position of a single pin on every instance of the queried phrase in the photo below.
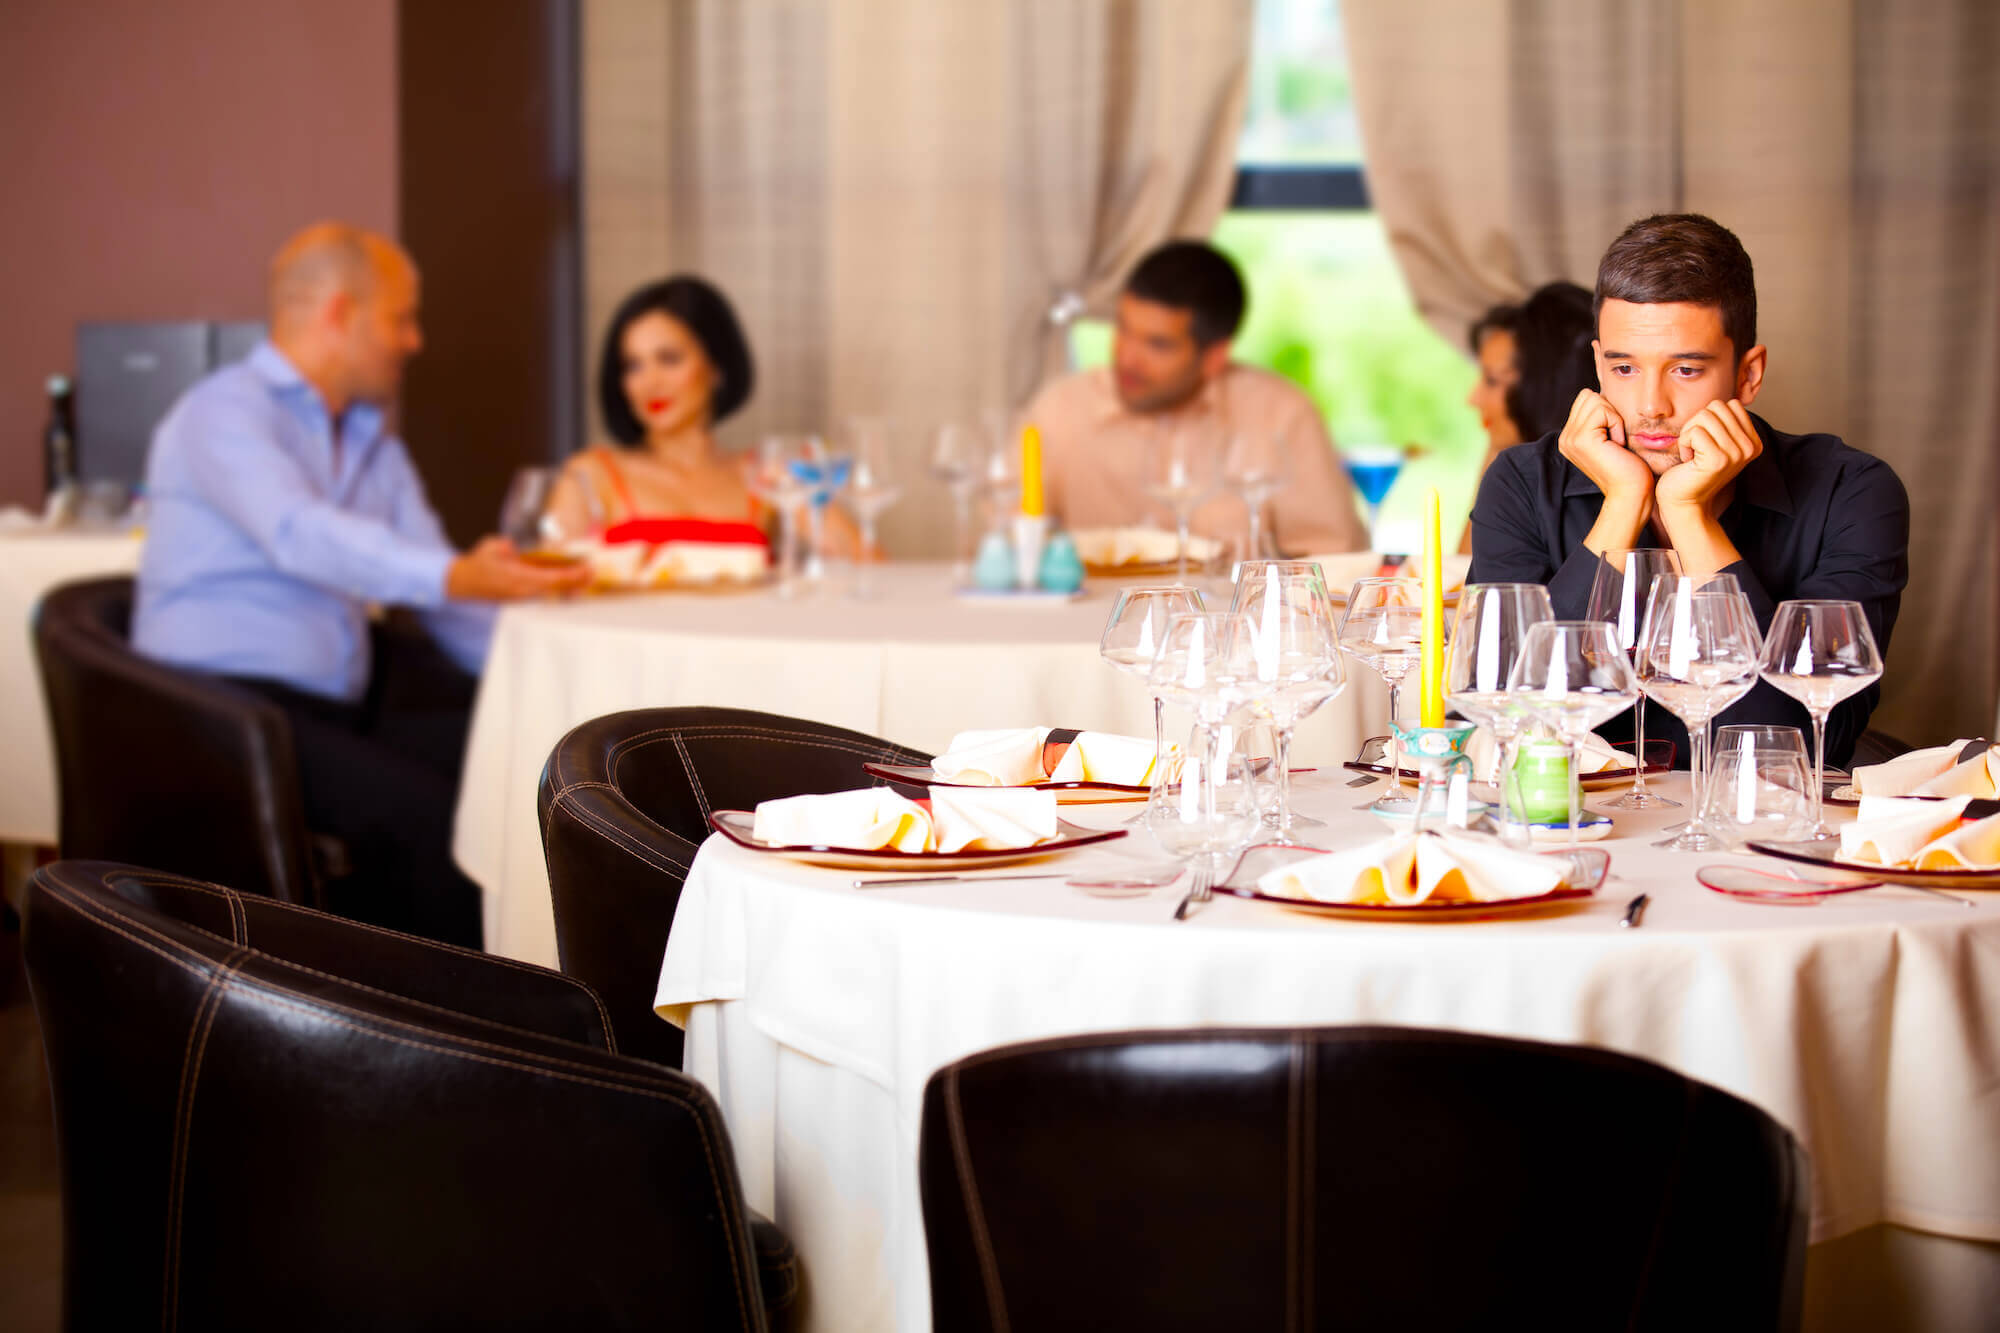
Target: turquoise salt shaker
(1062, 567)
(993, 567)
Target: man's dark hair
(706, 314)
(1196, 277)
(1673, 257)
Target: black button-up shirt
(1812, 518)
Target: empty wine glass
(1132, 636)
(1374, 468)
(1487, 637)
(1820, 652)
(1283, 652)
(1572, 675)
(871, 489)
(1698, 648)
(1180, 474)
(1618, 596)
(958, 458)
(1255, 466)
(1204, 806)
(822, 470)
(1383, 629)
(773, 480)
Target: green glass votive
(1539, 793)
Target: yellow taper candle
(1031, 472)
(1431, 695)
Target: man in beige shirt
(1171, 376)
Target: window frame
(1330, 189)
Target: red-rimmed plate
(1659, 759)
(1067, 793)
(739, 827)
(1588, 868)
(1815, 854)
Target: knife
(1634, 910)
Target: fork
(1198, 889)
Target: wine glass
(771, 478)
(822, 471)
(1374, 468)
(1281, 650)
(1132, 635)
(1698, 648)
(1820, 652)
(1203, 807)
(1487, 637)
(1383, 629)
(1255, 466)
(1180, 475)
(1572, 675)
(958, 456)
(524, 512)
(871, 489)
(1618, 597)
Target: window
(1328, 307)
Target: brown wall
(154, 155)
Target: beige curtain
(895, 192)
(1854, 145)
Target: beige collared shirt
(1095, 451)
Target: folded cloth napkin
(1404, 870)
(974, 819)
(1974, 846)
(1597, 755)
(1006, 757)
(1103, 756)
(1934, 771)
(870, 819)
(1898, 830)
(1110, 547)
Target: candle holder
(1438, 752)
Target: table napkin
(1404, 870)
(1934, 771)
(1899, 830)
(1596, 754)
(870, 819)
(1109, 547)
(990, 819)
(1103, 756)
(1006, 757)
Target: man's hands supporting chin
(1687, 499)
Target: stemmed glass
(524, 513)
(958, 458)
(822, 471)
(1132, 635)
(1573, 675)
(1487, 637)
(1820, 652)
(771, 478)
(1189, 670)
(871, 489)
(1000, 471)
(1254, 466)
(1383, 629)
(1282, 652)
(1618, 596)
(1374, 468)
(1179, 475)
(1698, 649)
(1205, 808)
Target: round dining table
(913, 664)
(1869, 1024)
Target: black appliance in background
(129, 374)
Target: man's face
(1154, 357)
(380, 330)
(1660, 364)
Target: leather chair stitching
(191, 1057)
(239, 922)
(693, 776)
(642, 850)
(1294, 1185)
(982, 1242)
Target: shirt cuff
(425, 578)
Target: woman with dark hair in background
(1534, 358)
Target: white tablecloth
(816, 1012)
(30, 564)
(914, 666)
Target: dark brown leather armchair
(624, 803)
(1351, 1178)
(164, 767)
(273, 1118)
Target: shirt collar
(1760, 483)
(1111, 408)
(361, 423)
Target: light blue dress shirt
(265, 544)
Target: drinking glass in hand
(1618, 597)
(1697, 655)
(871, 489)
(1487, 637)
(1132, 637)
(1179, 475)
(1820, 652)
(524, 513)
(1254, 467)
(1281, 650)
(1572, 675)
(1383, 629)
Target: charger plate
(1067, 793)
(1814, 854)
(738, 826)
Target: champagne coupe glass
(1698, 652)
(1132, 635)
(871, 489)
(1573, 675)
(1820, 652)
(1254, 466)
(1374, 468)
(1283, 651)
(1179, 475)
(958, 455)
(1486, 641)
(1383, 629)
(1618, 596)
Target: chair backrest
(1351, 1178)
(273, 1118)
(624, 803)
(165, 767)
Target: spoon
(1765, 887)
